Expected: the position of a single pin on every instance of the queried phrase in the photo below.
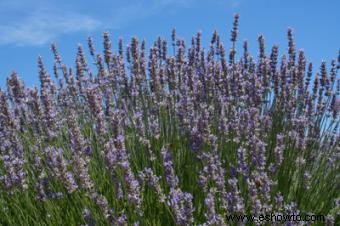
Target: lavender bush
(173, 135)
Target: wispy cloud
(235, 3)
(38, 30)
(139, 9)
(145, 8)
(42, 24)
(37, 22)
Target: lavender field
(175, 133)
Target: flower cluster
(182, 137)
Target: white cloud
(37, 22)
(41, 24)
(235, 3)
(143, 9)
(44, 28)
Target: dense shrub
(183, 136)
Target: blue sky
(27, 27)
